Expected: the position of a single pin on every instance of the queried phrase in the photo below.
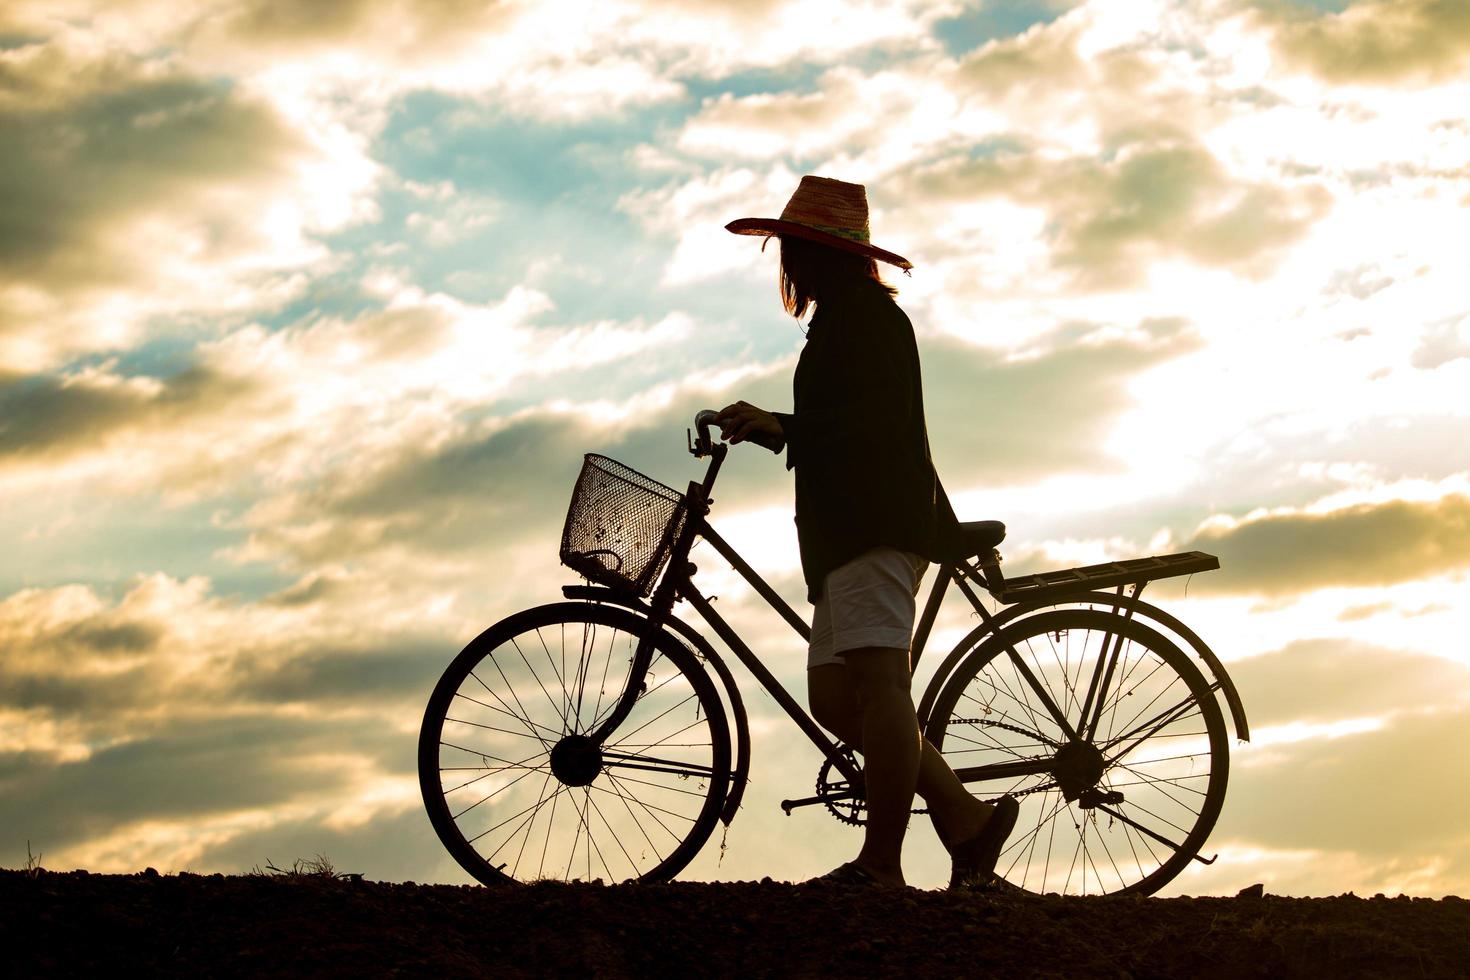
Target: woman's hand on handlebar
(742, 421)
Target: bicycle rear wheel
(1122, 808)
(517, 791)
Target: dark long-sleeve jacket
(857, 440)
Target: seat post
(995, 581)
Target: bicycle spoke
(513, 816)
(616, 839)
(621, 780)
(1021, 685)
(527, 823)
(576, 838)
(597, 719)
(560, 680)
(649, 808)
(537, 678)
(1153, 782)
(494, 794)
(622, 742)
(602, 685)
(550, 823)
(507, 763)
(492, 728)
(1165, 720)
(510, 687)
(523, 718)
(1154, 700)
(531, 828)
(1126, 687)
(634, 817)
(659, 716)
(531, 725)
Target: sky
(308, 313)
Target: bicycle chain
(857, 806)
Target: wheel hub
(1077, 767)
(576, 760)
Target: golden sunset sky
(309, 310)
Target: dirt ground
(77, 923)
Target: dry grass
(316, 867)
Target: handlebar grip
(702, 421)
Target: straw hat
(832, 212)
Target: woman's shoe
(972, 863)
(849, 874)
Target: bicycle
(586, 739)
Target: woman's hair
(809, 271)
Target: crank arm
(1144, 830)
(789, 805)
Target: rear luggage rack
(1056, 585)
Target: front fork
(633, 690)
(662, 602)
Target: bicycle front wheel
(515, 788)
(1120, 772)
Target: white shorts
(868, 602)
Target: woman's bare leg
(958, 816)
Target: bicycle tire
(988, 712)
(631, 814)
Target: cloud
(998, 419)
(1327, 680)
(421, 30)
(695, 211)
(1295, 551)
(1361, 792)
(1443, 341)
(1154, 194)
(1351, 791)
(143, 725)
(1070, 149)
(52, 416)
(131, 191)
(506, 482)
(836, 117)
(994, 420)
(1373, 41)
(546, 60)
(328, 398)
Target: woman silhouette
(870, 515)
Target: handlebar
(702, 446)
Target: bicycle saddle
(980, 536)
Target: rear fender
(1141, 610)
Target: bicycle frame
(677, 584)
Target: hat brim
(775, 226)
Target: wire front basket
(621, 525)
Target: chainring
(849, 809)
(853, 809)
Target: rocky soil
(79, 924)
